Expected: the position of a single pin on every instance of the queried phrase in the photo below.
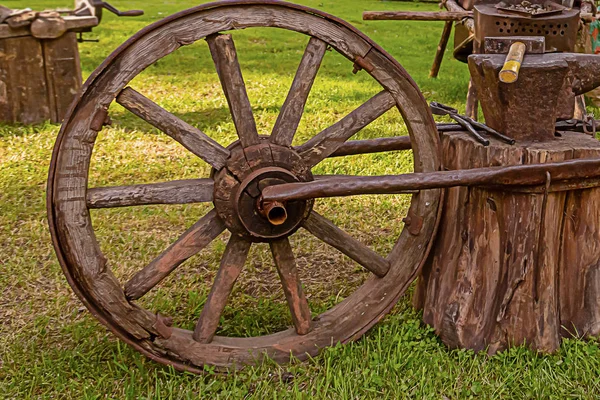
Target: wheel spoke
(288, 273)
(231, 265)
(174, 192)
(226, 62)
(328, 141)
(191, 242)
(326, 231)
(293, 108)
(191, 138)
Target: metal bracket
(100, 119)
(589, 121)
(163, 326)
(361, 63)
(413, 223)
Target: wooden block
(63, 73)
(48, 27)
(23, 89)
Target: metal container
(560, 30)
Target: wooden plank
(189, 243)
(226, 61)
(63, 73)
(174, 192)
(23, 88)
(326, 231)
(328, 141)
(293, 107)
(288, 273)
(190, 137)
(232, 263)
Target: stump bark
(38, 78)
(514, 267)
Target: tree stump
(515, 267)
(38, 78)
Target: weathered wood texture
(88, 271)
(441, 49)
(174, 192)
(63, 73)
(416, 15)
(290, 281)
(190, 137)
(72, 23)
(38, 78)
(293, 108)
(232, 263)
(514, 267)
(325, 230)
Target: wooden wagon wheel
(240, 172)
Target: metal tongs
(469, 124)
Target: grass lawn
(51, 347)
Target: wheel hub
(239, 186)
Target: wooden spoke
(191, 242)
(191, 138)
(175, 192)
(231, 265)
(293, 108)
(326, 231)
(286, 266)
(328, 141)
(225, 58)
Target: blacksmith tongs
(468, 123)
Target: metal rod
(533, 174)
(491, 131)
(470, 129)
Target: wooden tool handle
(416, 15)
(512, 65)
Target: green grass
(50, 346)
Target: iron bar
(534, 174)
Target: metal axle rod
(517, 175)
